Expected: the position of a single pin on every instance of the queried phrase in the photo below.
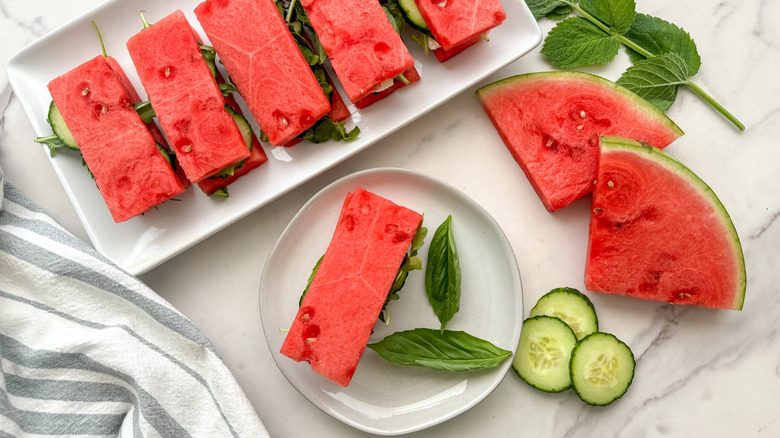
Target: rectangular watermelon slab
(129, 170)
(265, 64)
(458, 24)
(186, 98)
(363, 47)
(338, 313)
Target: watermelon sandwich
(658, 232)
(550, 122)
(120, 151)
(452, 26)
(186, 98)
(347, 293)
(365, 50)
(265, 64)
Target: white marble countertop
(700, 372)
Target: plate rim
(501, 370)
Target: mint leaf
(657, 79)
(658, 37)
(448, 350)
(543, 8)
(616, 14)
(560, 12)
(576, 41)
(327, 129)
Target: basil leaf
(543, 8)
(410, 263)
(442, 273)
(326, 129)
(311, 278)
(575, 42)
(616, 14)
(657, 79)
(658, 37)
(440, 351)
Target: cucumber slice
(542, 358)
(570, 305)
(602, 368)
(59, 127)
(412, 14)
(243, 125)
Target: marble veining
(700, 372)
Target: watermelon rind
(661, 158)
(608, 86)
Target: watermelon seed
(305, 317)
(610, 184)
(104, 110)
(550, 142)
(579, 128)
(310, 340)
(85, 92)
(442, 4)
(582, 114)
(598, 210)
(167, 72)
(187, 148)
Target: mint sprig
(664, 55)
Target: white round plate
(384, 398)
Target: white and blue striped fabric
(88, 350)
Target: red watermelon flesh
(153, 129)
(116, 145)
(185, 97)
(411, 75)
(256, 158)
(363, 47)
(338, 313)
(454, 22)
(445, 55)
(265, 64)
(551, 121)
(658, 232)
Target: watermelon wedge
(129, 170)
(455, 23)
(551, 121)
(363, 47)
(265, 64)
(186, 98)
(658, 232)
(338, 313)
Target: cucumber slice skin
(594, 351)
(412, 14)
(60, 129)
(552, 374)
(570, 305)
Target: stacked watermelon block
(337, 315)
(458, 24)
(186, 98)
(129, 170)
(363, 47)
(265, 64)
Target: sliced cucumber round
(543, 353)
(59, 127)
(412, 14)
(570, 305)
(602, 368)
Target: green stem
(288, 18)
(647, 54)
(143, 19)
(723, 111)
(100, 37)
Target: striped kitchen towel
(88, 350)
